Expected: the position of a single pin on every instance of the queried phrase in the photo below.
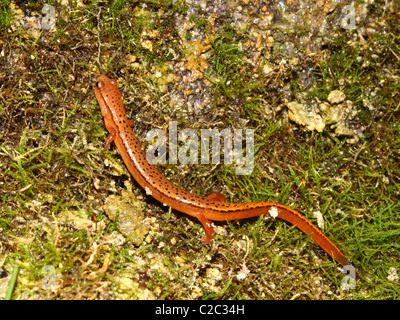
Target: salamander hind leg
(207, 227)
(216, 196)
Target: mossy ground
(52, 159)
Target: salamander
(205, 209)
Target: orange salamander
(205, 209)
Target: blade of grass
(11, 284)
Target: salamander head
(104, 83)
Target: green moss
(6, 15)
(52, 159)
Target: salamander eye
(99, 84)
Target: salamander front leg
(110, 138)
(207, 227)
